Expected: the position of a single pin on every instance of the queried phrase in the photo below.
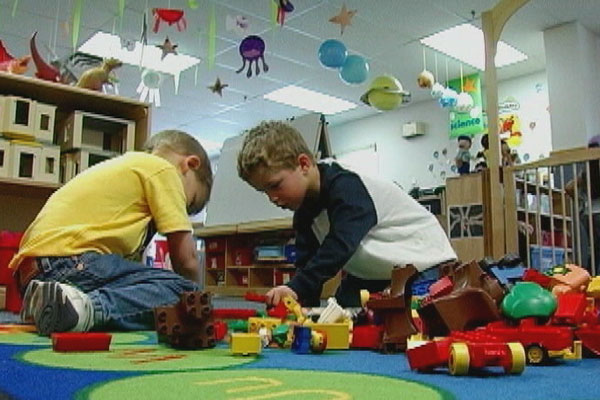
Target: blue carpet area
(26, 381)
(565, 380)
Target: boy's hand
(275, 295)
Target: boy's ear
(192, 162)
(304, 161)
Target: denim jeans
(124, 293)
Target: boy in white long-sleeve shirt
(343, 220)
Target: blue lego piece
(507, 275)
(301, 343)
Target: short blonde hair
(273, 145)
(185, 144)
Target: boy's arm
(183, 253)
(351, 215)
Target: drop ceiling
(385, 32)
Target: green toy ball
(385, 93)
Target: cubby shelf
(30, 196)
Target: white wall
(401, 159)
(574, 81)
(407, 160)
(531, 92)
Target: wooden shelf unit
(230, 268)
(20, 201)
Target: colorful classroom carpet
(136, 367)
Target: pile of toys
(476, 315)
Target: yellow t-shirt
(107, 209)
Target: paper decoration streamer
(77, 8)
(14, 9)
(212, 37)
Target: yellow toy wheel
(458, 362)
(536, 354)
(517, 354)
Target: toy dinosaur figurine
(45, 71)
(95, 78)
(11, 64)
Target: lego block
(2, 297)
(49, 164)
(255, 323)
(338, 334)
(43, 128)
(234, 313)
(245, 344)
(187, 324)
(367, 336)
(75, 162)
(97, 132)
(302, 337)
(4, 158)
(17, 117)
(25, 159)
(81, 341)
(197, 304)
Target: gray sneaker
(57, 307)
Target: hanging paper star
(343, 18)
(469, 85)
(218, 87)
(167, 48)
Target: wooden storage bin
(94, 131)
(72, 163)
(25, 159)
(43, 128)
(4, 158)
(49, 165)
(17, 117)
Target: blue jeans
(124, 293)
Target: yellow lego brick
(245, 344)
(593, 288)
(255, 323)
(338, 334)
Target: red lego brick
(81, 341)
(367, 337)
(233, 313)
(441, 287)
(532, 275)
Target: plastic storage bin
(9, 245)
(542, 258)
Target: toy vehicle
(538, 340)
(463, 351)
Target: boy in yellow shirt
(76, 263)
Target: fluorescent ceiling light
(310, 100)
(465, 43)
(105, 45)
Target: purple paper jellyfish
(252, 49)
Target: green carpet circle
(255, 384)
(15, 336)
(136, 358)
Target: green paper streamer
(77, 7)
(212, 36)
(274, 11)
(120, 13)
(193, 4)
(14, 9)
